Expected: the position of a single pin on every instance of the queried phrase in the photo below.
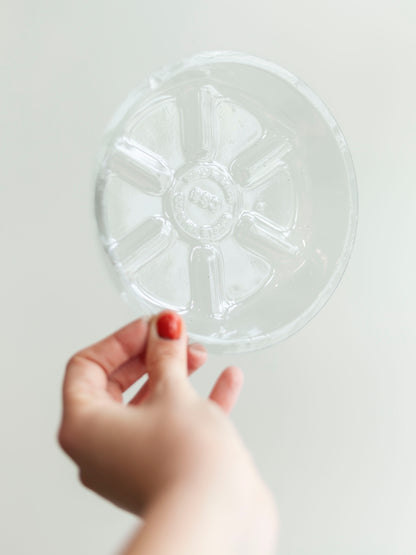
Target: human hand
(167, 442)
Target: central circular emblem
(203, 202)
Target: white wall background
(330, 413)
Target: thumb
(166, 353)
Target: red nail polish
(169, 325)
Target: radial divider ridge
(263, 237)
(139, 246)
(206, 271)
(140, 167)
(259, 162)
(199, 122)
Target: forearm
(202, 519)
(185, 522)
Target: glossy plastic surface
(225, 191)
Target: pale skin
(169, 456)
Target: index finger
(88, 370)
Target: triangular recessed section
(239, 130)
(158, 129)
(126, 207)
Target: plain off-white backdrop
(330, 414)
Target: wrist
(193, 517)
(185, 521)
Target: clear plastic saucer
(225, 191)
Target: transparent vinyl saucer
(225, 191)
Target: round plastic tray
(225, 191)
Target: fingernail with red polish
(169, 325)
